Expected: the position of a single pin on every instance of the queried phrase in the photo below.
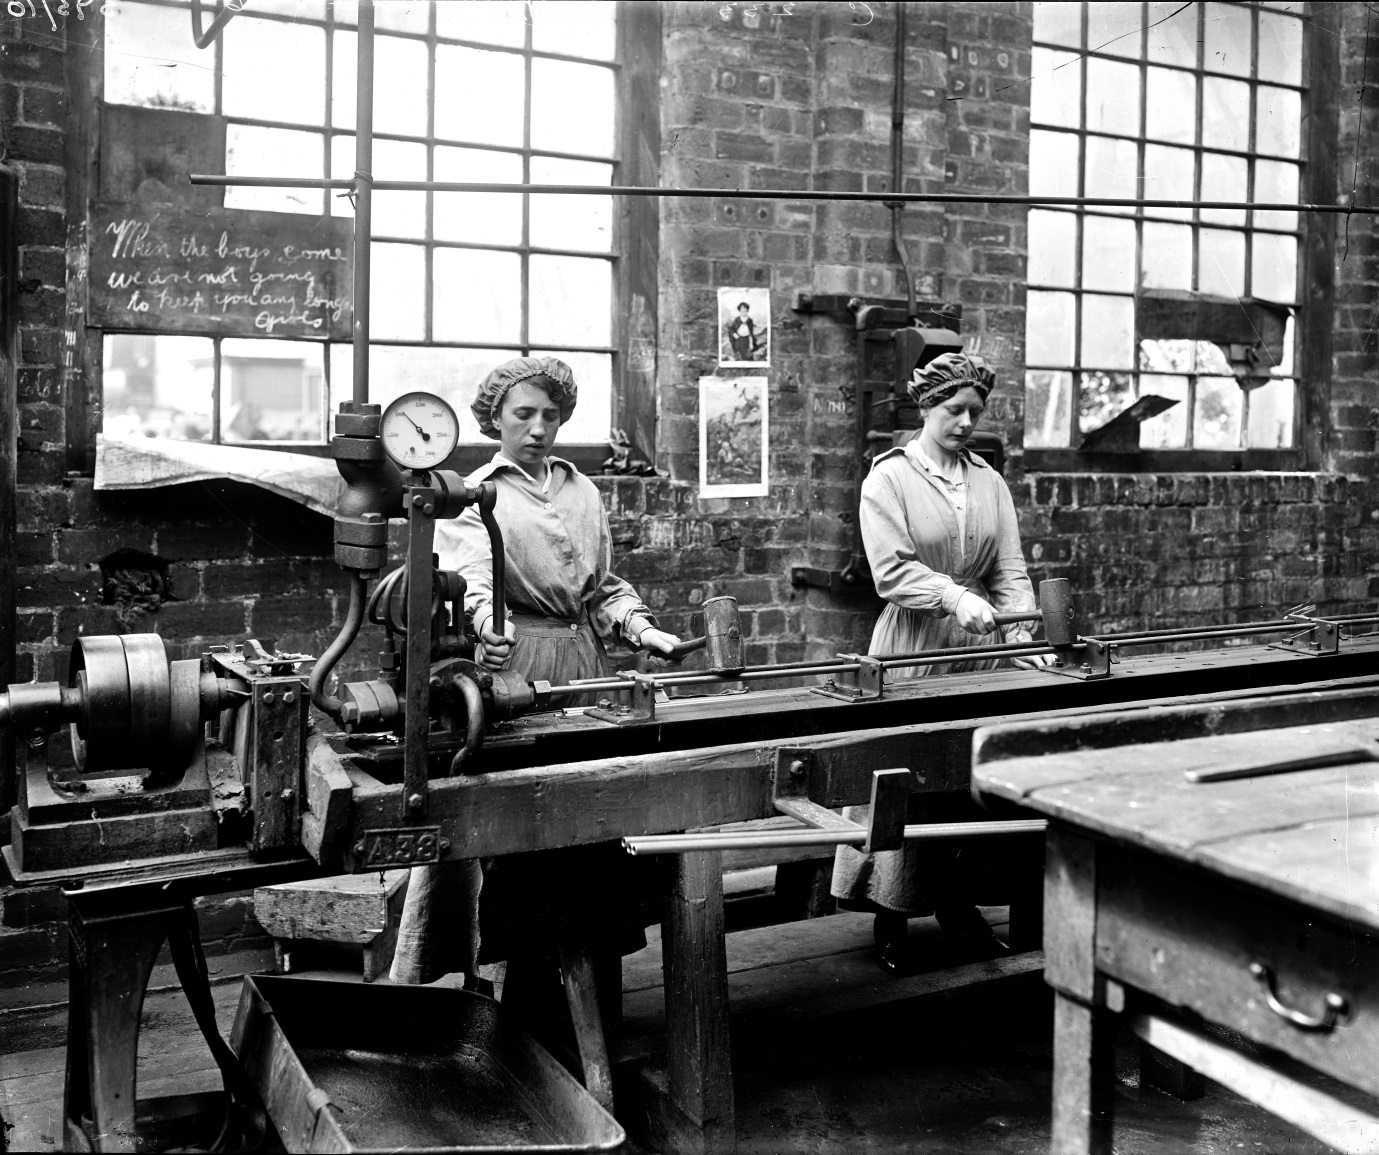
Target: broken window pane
(1280, 48)
(1166, 256)
(1052, 248)
(1053, 164)
(479, 95)
(1216, 417)
(1114, 29)
(478, 296)
(1221, 263)
(1048, 408)
(1167, 356)
(1170, 108)
(151, 61)
(1049, 326)
(594, 378)
(1113, 97)
(574, 28)
(272, 390)
(571, 300)
(1275, 182)
(493, 22)
(1058, 23)
(571, 222)
(1225, 113)
(1167, 430)
(1278, 120)
(1226, 38)
(397, 300)
(1055, 88)
(1108, 254)
(571, 107)
(254, 151)
(1274, 268)
(1112, 170)
(157, 386)
(1224, 178)
(492, 217)
(293, 55)
(1168, 175)
(1172, 33)
(1271, 415)
(1108, 331)
(1104, 395)
(397, 369)
(399, 91)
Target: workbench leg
(1084, 1069)
(699, 1065)
(581, 992)
(111, 960)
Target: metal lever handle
(1336, 1005)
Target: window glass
(1112, 170)
(1167, 430)
(1170, 107)
(1113, 97)
(1278, 124)
(1166, 257)
(1052, 248)
(1280, 48)
(254, 151)
(479, 95)
(344, 63)
(397, 299)
(403, 16)
(569, 300)
(1114, 29)
(571, 222)
(1048, 407)
(157, 386)
(1226, 33)
(1221, 263)
(151, 61)
(1049, 327)
(1225, 113)
(272, 390)
(1168, 175)
(1108, 331)
(1171, 31)
(571, 107)
(399, 101)
(493, 218)
(1271, 415)
(478, 296)
(1108, 254)
(1104, 395)
(487, 21)
(292, 55)
(1275, 182)
(1224, 178)
(1053, 164)
(594, 376)
(1216, 419)
(574, 28)
(1058, 22)
(1274, 267)
(395, 214)
(1055, 91)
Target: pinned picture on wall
(744, 328)
(733, 437)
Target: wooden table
(1173, 905)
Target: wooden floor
(831, 1055)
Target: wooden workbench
(1175, 906)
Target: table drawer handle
(1335, 1004)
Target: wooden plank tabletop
(1311, 836)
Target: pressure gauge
(419, 431)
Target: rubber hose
(354, 619)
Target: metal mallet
(1055, 611)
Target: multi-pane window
(1203, 101)
(463, 91)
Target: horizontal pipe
(773, 194)
(769, 839)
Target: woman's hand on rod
(493, 651)
(974, 614)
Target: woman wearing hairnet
(563, 604)
(941, 536)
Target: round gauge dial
(419, 431)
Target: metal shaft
(745, 840)
(363, 202)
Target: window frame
(634, 230)
(1314, 294)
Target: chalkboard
(220, 272)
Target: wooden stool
(349, 908)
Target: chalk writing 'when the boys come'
(277, 287)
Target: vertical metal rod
(363, 197)
(416, 720)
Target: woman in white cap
(943, 542)
(564, 606)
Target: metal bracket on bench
(1318, 639)
(641, 706)
(866, 683)
(1086, 659)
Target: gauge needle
(424, 435)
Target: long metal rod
(916, 832)
(363, 202)
(778, 194)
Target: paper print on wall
(733, 425)
(744, 328)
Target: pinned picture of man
(744, 322)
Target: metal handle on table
(1336, 1005)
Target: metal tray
(351, 1067)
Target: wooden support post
(581, 992)
(697, 1115)
(1083, 1029)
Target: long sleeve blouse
(557, 547)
